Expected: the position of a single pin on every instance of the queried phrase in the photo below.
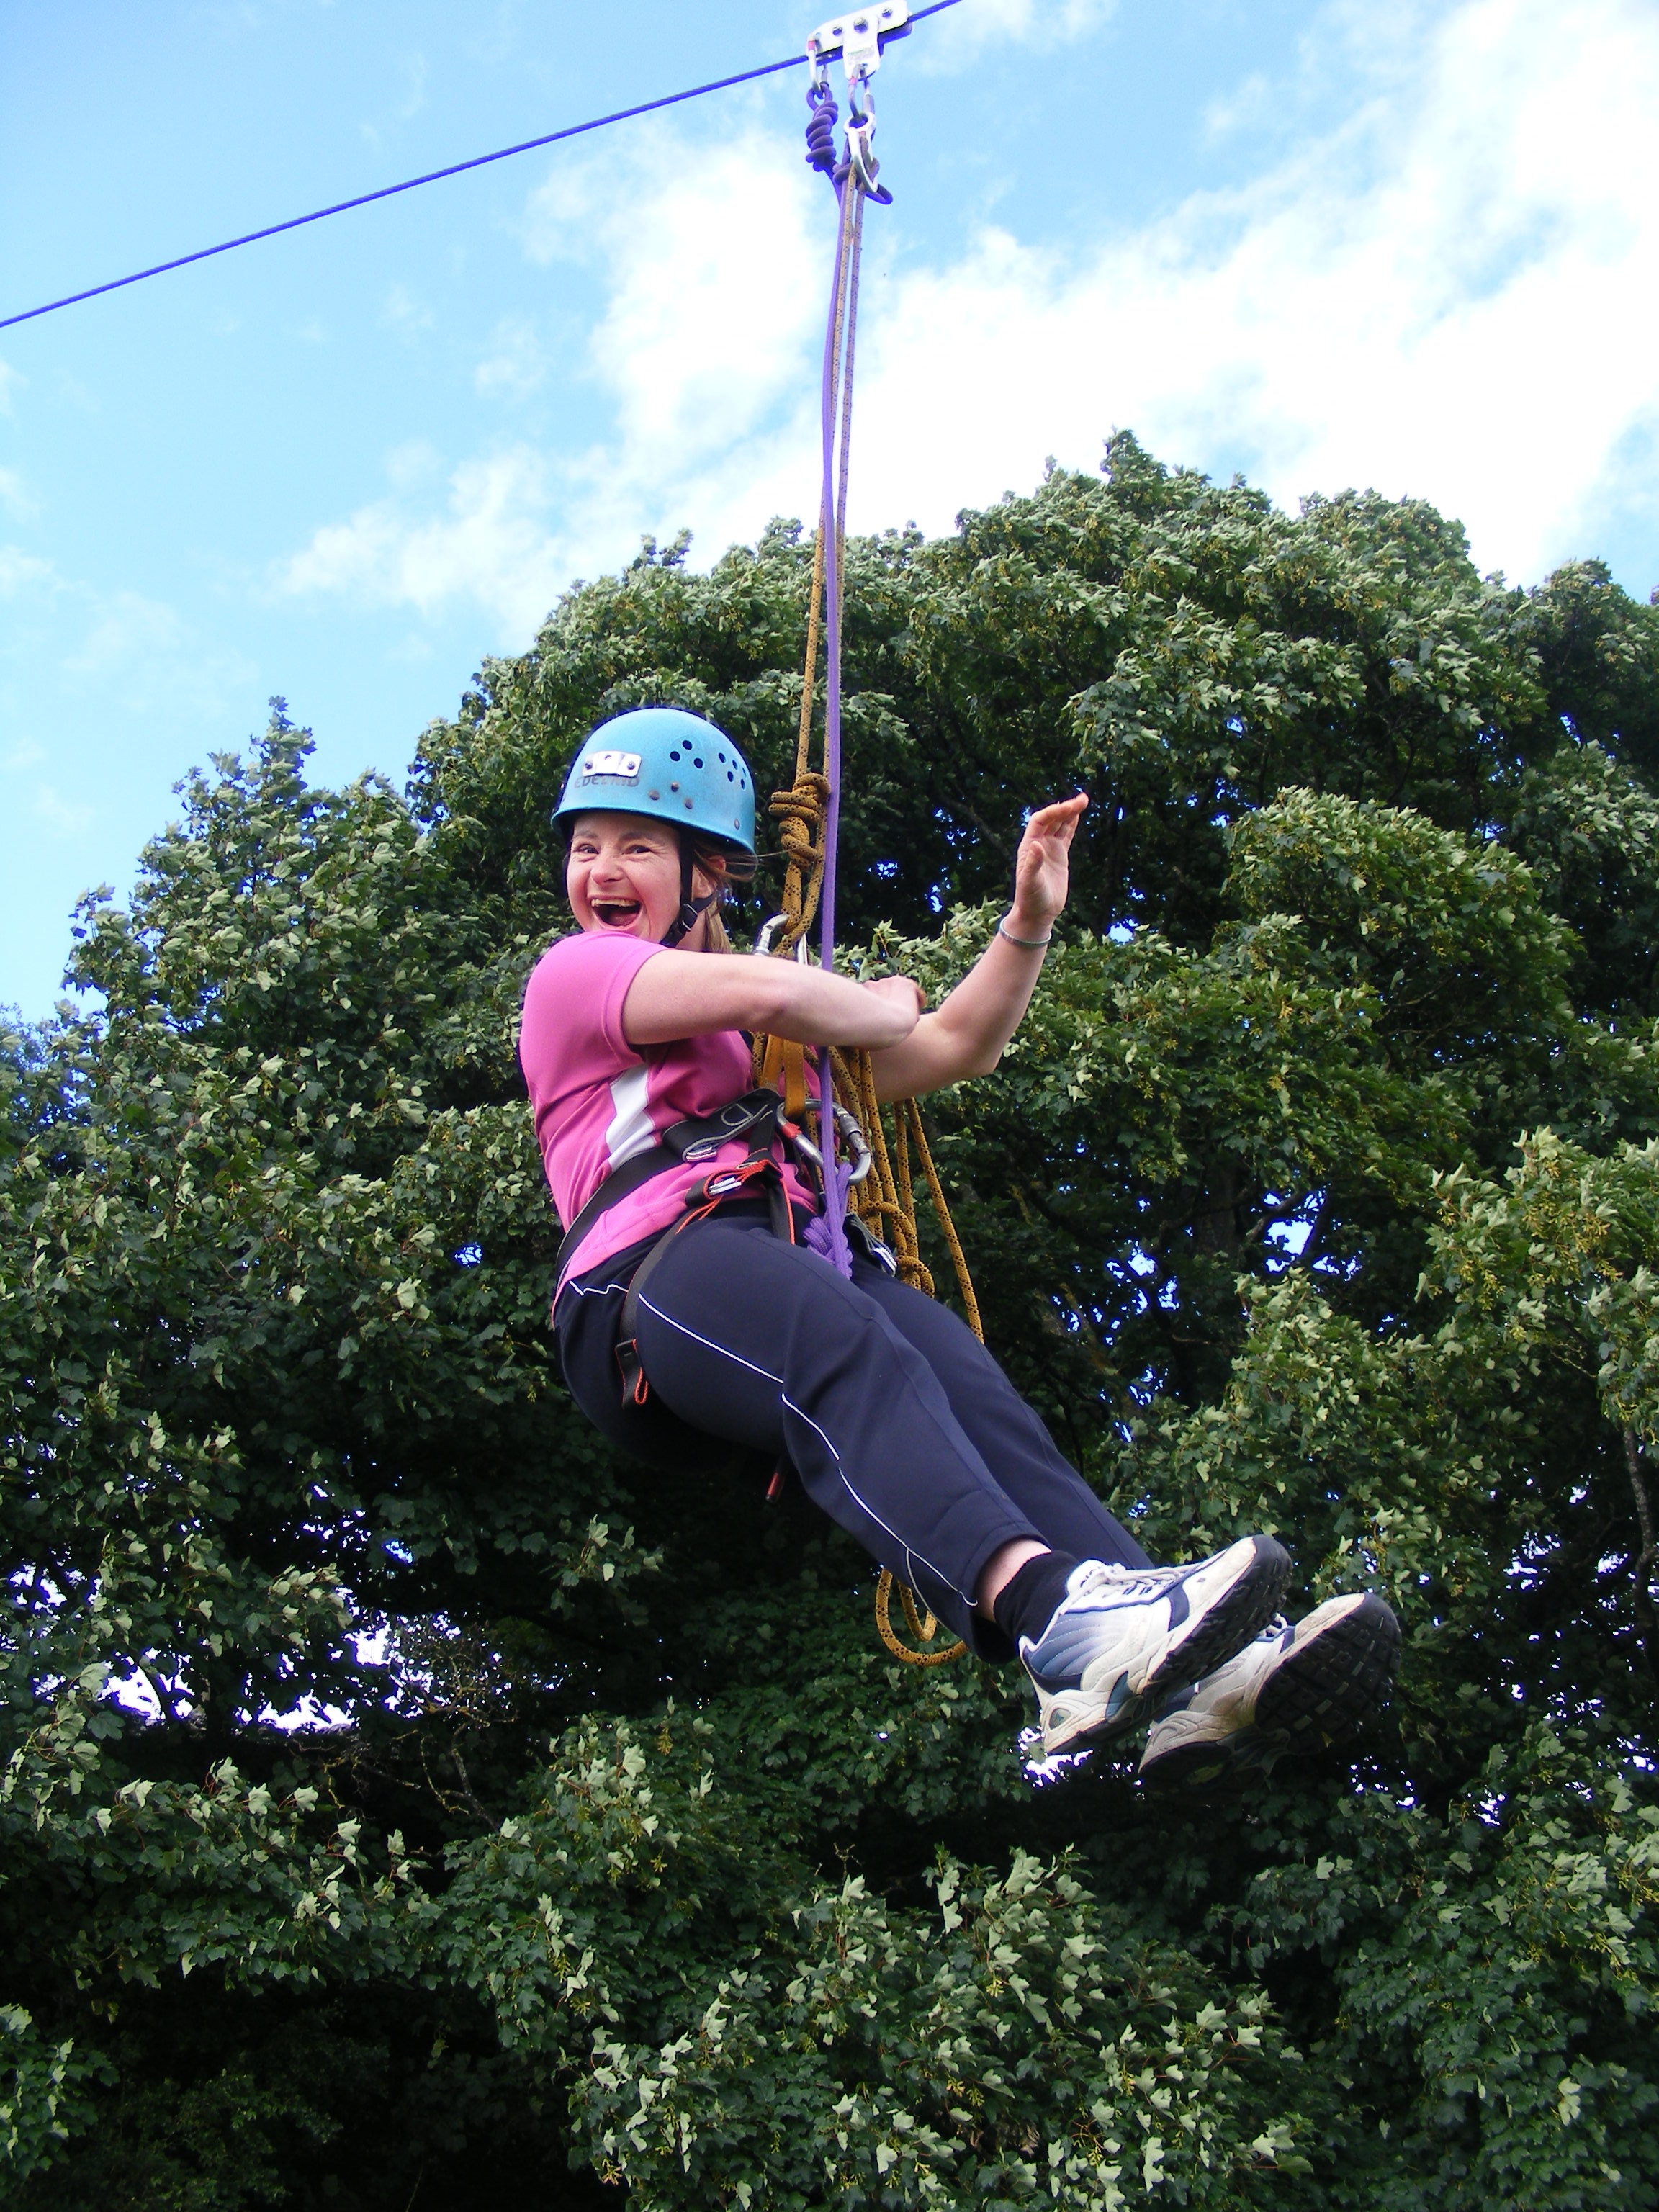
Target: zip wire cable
(431, 177)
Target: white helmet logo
(625, 766)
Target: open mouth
(616, 913)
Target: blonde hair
(724, 868)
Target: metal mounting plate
(858, 36)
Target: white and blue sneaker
(1122, 1639)
(1293, 1689)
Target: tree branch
(999, 843)
(1316, 1237)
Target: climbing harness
(757, 1116)
(876, 1183)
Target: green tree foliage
(615, 1860)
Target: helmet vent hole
(697, 764)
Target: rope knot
(799, 815)
(821, 128)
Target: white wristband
(1025, 944)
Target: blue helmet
(676, 768)
(673, 766)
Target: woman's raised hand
(1042, 868)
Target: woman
(692, 1314)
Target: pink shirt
(599, 1100)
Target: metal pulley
(859, 37)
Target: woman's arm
(966, 1035)
(678, 994)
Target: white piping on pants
(784, 1398)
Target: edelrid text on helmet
(673, 766)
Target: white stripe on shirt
(632, 1130)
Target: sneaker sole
(1320, 1696)
(1323, 1692)
(1234, 1618)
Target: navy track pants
(900, 1424)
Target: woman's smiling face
(623, 878)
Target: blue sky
(1328, 245)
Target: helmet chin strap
(692, 910)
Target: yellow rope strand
(924, 1630)
(885, 1201)
(958, 1257)
(799, 811)
(809, 681)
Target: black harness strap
(698, 1139)
(758, 1115)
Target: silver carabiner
(860, 129)
(770, 929)
(857, 1143)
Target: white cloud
(13, 494)
(715, 288)
(413, 71)
(11, 378)
(516, 365)
(132, 649)
(491, 546)
(942, 47)
(67, 815)
(1243, 106)
(403, 313)
(1448, 294)
(128, 627)
(416, 463)
(45, 802)
(406, 97)
(19, 570)
(716, 279)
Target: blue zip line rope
(431, 177)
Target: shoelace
(1275, 1637)
(1127, 1582)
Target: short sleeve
(572, 1030)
